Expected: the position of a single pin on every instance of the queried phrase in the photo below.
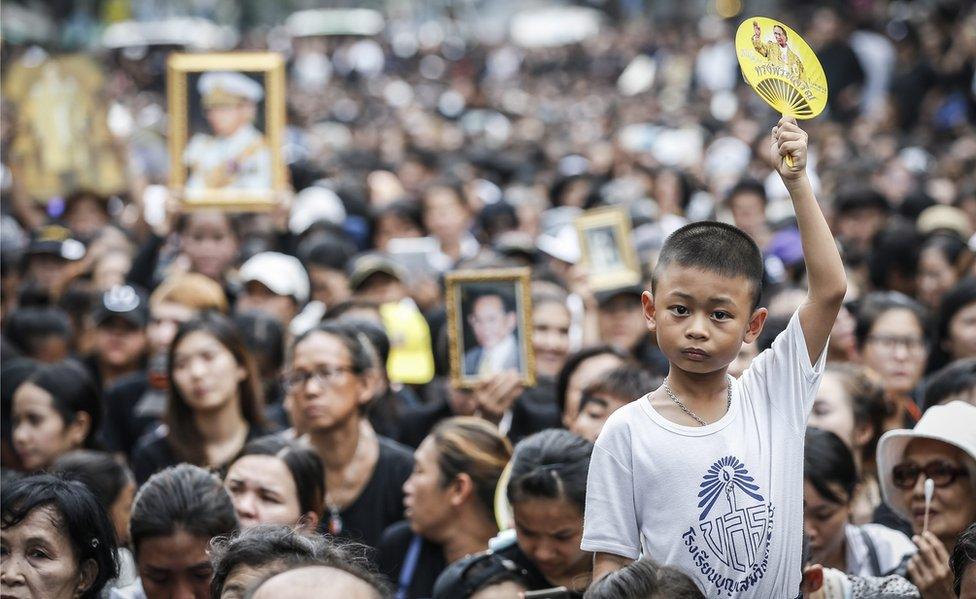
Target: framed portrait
(226, 126)
(489, 317)
(606, 249)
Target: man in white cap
(237, 155)
(274, 283)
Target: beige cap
(944, 218)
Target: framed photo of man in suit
(489, 324)
(226, 122)
(606, 248)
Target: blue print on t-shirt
(737, 536)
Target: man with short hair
(493, 320)
(329, 582)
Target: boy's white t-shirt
(723, 502)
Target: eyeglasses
(892, 342)
(942, 473)
(324, 377)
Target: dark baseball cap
(605, 295)
(367, 265)
(55, 240)
(124, 301)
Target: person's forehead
(924, 449)
(488, 303)
(265, 470)
(702, 284)
(319, 346)
(44, 522)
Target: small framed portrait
(489, 316)
(606, 249)
(226, 122)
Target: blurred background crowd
(295, 356)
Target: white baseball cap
(314, 204)
(953, 423)
(281, 273)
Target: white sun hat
(953, 423)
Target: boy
(706, 473)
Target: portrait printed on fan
(778, 51)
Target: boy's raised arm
(825, 269)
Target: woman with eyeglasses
(830, 479)
(329, 387)
(941, 448)
(892, 338)
(215, 401)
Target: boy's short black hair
(628, 382)
(957, 378)
(716, 247)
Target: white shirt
(494, 359)
(723, 502)
(891, 547)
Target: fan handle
(788, 159)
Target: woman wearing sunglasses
(942, 447)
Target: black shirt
(392, 552)
(133, 408)
(154, 452)
(380, 503)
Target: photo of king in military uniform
(232, 153)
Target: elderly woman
(942, 447)
(56, 541)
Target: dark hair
(573, 362)
(551, 464)
(104, 474)
(27, 327)
(958, 377)
(647, 580)
(628, 381)
(746, 186)
(874, 305)
(469, 445)
(476, 293)
(264, 337)
(181, 498)
(72, 390)
(867, 402)
(405, 210)
(952, 248)
(963, 556)
(355, 342)
(826, 460)
(327, 252)
(894, 255)
(269, 544)
(957, 298)
(79, 516)
(184, 437)
(770, 331)
(337, 311)
(303, 463)
(715, 247)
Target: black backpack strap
(872, 552)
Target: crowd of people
(203, 403)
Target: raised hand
(788, 139)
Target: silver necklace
(677, 402)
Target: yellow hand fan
(781, 68)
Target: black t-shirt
(154, 452)
(133, 407)
(392, 553)
(380, 503)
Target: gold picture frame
(613, 263)
(265, 143)
(464, 288)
